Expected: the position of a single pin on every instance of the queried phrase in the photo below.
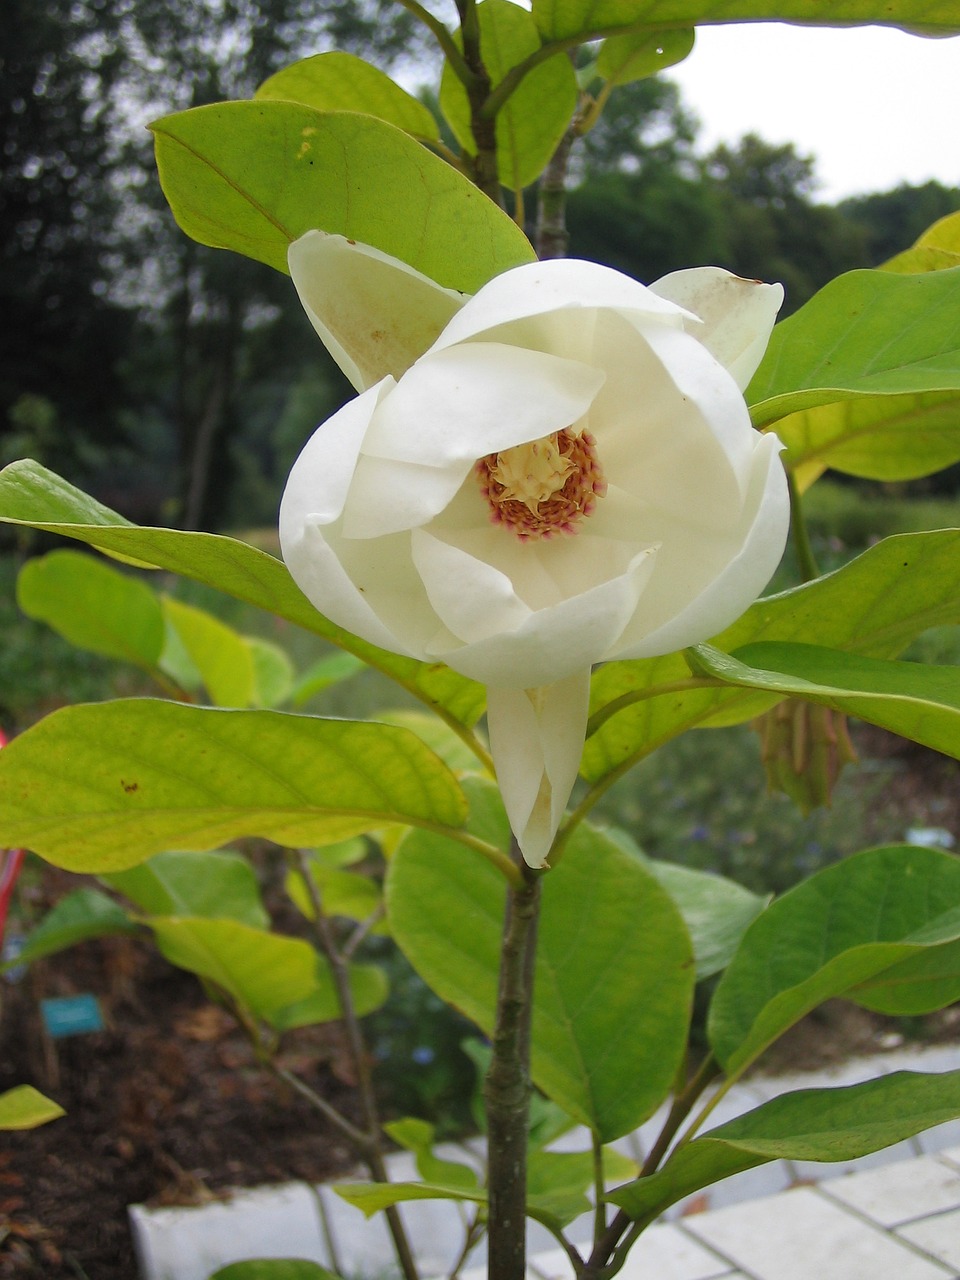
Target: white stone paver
(899, 1193)
(188, 1244)
(938, 1235)
(802, 1235)
(663, 1252)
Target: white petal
(321, 476)
(538, 288)
(694, 599)
(738, 315)
(388, 496)
(317, 571)
(513, 646)
(536, 739)
(374, 314)
(461, 404)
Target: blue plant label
(71, 1016)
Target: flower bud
(804, 748)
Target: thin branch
(442, 36)
(357, 1138)
(625, 700)
(362, 930)
(372, 1153)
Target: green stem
(800, 533)
(483, 125)
(610, 1245)
(552, 238)
(507, 1086)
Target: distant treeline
(179, 382)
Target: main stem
(507, 1087)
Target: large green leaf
(254, 176)
(866, 333)
(918, 702)
(842, 931)
(106, 786)
(338, 81)
(78, 917)
(614, 972)
(25, 1108)
(537, 114)
(563, 19)
(876, 437)
(34, 496)
(874, 606)
(216, 884)
(93, 606)
(811, 1124)
(281, 980)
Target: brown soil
(168, 1104)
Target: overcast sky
(874, 106)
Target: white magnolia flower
(555, 472)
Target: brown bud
(804, 748)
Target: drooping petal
(511, 645)
(374, 314)
(737, 314)
(536, 739)
(681, 613)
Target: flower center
(546, 487)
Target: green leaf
(875, 437)
(614, 975)
(537, 114)
(837, 934)
(716, 911)
(342, 893)
(866, 333)
(34, 496)
(623, 59)
(281, 980)
(133, 778)
(220, 884)
(810, 1124)
(26, 1108)
(563, 19)
(438, 736)
(274, 1269)
(221, 656)
(322, 674)
(274, 676)
(418, 1136)
(919, 702)
(558, 1180)
(93, 606)
(343, 82)
(81, 915)
(937, 249)
(875, 605)
(371, 1197)
(255, 176)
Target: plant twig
(507, 1087)
(371, 1151)
(806, 560)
